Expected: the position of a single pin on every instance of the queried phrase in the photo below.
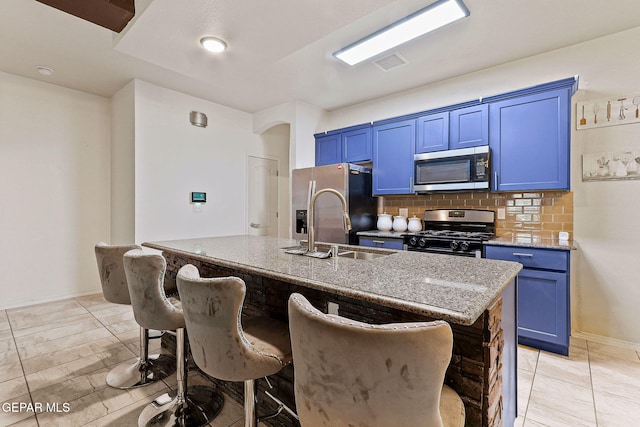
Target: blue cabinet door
(469, 127)
(387, 243)
(328, 149)
(529, 139)
(432, 133)
(543, 312)
(393, 149)
(357, 145)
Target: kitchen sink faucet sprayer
(312, 202)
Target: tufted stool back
(349, 373)
(145, 277)
(111, 270)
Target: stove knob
(453, 245)
(422, 242)
(464, 246)
(413, 241)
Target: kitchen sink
(323, 252)
(360, 255)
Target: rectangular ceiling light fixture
(430, 18)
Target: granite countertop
(378, 233)
(533, 240)
(456, 289)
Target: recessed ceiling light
(213, 44)
(45, 71)
(430, 18)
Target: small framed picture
(611, 166)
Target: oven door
(464, 169)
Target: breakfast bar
(476, 296)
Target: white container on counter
(399, 223)
(384, 222)
(414, 224)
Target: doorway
(263, 197)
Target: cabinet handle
(378, 242)
(522, 254)
(411, 185)
(495, 181)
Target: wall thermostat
(198, 197)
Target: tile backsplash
(543, 213)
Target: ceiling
(281, 50)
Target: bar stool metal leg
(186, 406)
(146, 369)
(250, 416)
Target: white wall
(54, 169)
(304, 120)
(123, 166)
(174, 158)
(607, 289)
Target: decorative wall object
(611, 166)
(612, 111)
(198, 119)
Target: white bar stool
(349, 373)
(145, 369)
(186, 406)
(224, 345)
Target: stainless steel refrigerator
(354, 182)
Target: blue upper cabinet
(357, 145)
(352, 144)
(450, 130)
(328, 149)
(469, 127)
(393, 148)
(529, 140)
(432, 133)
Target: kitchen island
(476, 296)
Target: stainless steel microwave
(463, 169)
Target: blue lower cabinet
(544, 317)
(379, 242)
(543, 310)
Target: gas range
(458, 232)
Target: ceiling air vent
(390, 62)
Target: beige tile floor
(61, 352)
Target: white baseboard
(45, 300)
(605, 340)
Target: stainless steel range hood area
(451, 170)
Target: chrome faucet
(311, 218)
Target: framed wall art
(611, 166)
(612, 111)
